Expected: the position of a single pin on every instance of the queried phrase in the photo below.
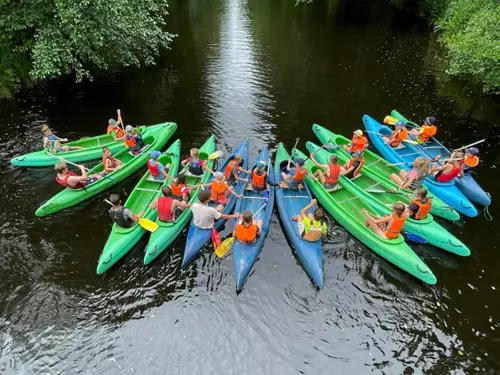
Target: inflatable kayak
(366, 184)
(380, 169)
(261, 205)
(290, 202)
(346, 207)
(198, 237)
(169, 231)
(93, 150)
(155, 138)
(467, 184)
(448, 191)
(147, 191)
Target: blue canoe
(467, 184)
(245, 255)
(448, 192)
(197, 237)
(290, 202)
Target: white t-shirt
(204, 216)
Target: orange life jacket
(246, 234)
(333, 175)
(218, 190)
(300, 174)
(130, 141)
(229, 169)
(426, 133)
(357, 171)
(359, 143)
(177, 190)
(423, 208)
(395, 228)
(259, 180)
(399, 135)
(472, 161)
(118, 131)
(113, 161)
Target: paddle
(410, 162)
(390, 120)
(464, 147)
(147, 224)
(324, 146)
(404, 140)
(215, 155)
(76, 165)
(294, 147)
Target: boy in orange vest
(421, 205)
(133, 140)
(398, 135)
(247, 230)
(296, 175)
(116, 127)
(389, 226)
(358, 142)
(426, 131)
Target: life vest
(423, 208)
(359, 144)
(119, 218)
(300, 174)
(165, 212)
(447, 177)
(195, 166)
(130, 141)
(395, 228)
(258, 180)
(218, 190)
(229, 169)
(333, 174)
(399, 135)
(246, 234)
(471, 162)
(118, 131)
(105, 158)
(177, 190)
(426, 133)
(314, 233)
(357, 171)
(154, 168)
(417, 182)
(54, 144)
(64, 181)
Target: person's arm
(347, 169)
(120, 119)
(164, 172)
(183, 204)
(154, 205)
(45, 142)
(376, 220)
(237, 175)
(322, 166)
(311, 175)
(303, 212)
(185, 162)
(233, 192)
(227, 217)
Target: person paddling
(330, 178)
(247, 230)
(311, 227)
(168, 206)
(260, 177)
(389, 226)
(72, 180)
(204, 216)
(470, 158)
(116, 127)
(448, 171)
(220, 190)
(421, 205)
(54, 144)
(179, 188)
(415, 178)
(354, 166)
(399, 134)
(297, 175)
(157, 169)
(195, 166)
(233, 170)
(358, 142)
(110, 164)
(426, 131)
(133, 140)
(120, 215)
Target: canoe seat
(400, 146)
(355, 177)
(248, 187)
(152, 179)
(335, 188)
(284, 185)
(139, 152)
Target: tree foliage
(60, 37)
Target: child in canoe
(72, 180)
(220, 190)
(133, 140)
(426, 131)
(168, 206)
(421, 205)
(204, 216)
(470, 158)
(195, 166)
(330, 178)
(398, 135)
(120, 215)
(389, 226)
(449, 170)
(415, 178)
(157, 169)
(233, 170)
(247, 230)
(116, 127)
(297, 175)
(358, 142)
(53, 143)
(260, 177)
(354, 166)
(109, 163)
(311, 227)
(179, 188)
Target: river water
(265, 70)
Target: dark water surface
(262, 69)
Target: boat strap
(347, 200)
(298, 196)
(371, 187)
(261, 198)
(151, 190)
(284, 185)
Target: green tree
(78, 36)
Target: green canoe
(155, 138)
(379, 167)
(434, 233)
(346, 208)
(122, 240)
(168, 232)
(92, 151)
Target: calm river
(266, 70)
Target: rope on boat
(486, 211)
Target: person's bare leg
(395, 178)
(284, 176)
(320, 175)
(374, 227)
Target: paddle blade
(415, 238)
(215, 155)
(390, 120)
(215, 239)
(149, 225)
(410, 141)
(224, 247)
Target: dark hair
(204, 196)
(334, 159)
(421, 193)
(181, 179)
(167, 192)
(105, 148)
(318, 215)
(399, 208)
(247, 217)
(60, 167)
(115, 199)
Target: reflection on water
(264, 70)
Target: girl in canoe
(247, 230)
(388, 226)
(449, 170)
(109, 163)
(358, 142)
(413, 179)
(398, 135)
(53, 143)
(220, 190)
(195, 166)
(330, 178)
(354, 166)
(311, 227)
(233, 170)
(168, 206)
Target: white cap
(129, 128)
